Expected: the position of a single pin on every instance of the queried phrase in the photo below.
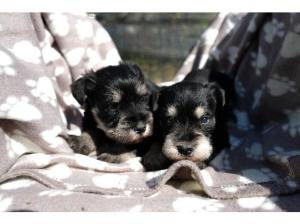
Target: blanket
(42, 54)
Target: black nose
(140, 129)
(186, 151)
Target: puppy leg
(82, 144)
(111, 158)
(154, 159)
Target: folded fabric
(41, 54)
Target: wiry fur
(190, 122)
(118, 117)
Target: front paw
(119, 158)
(157, 161)
(82, 144)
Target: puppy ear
(80, 87)
(136, 69)
(198, 76)
(218, 93)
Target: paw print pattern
(43, 89)
(27, 52)
(273, 29)
(257, 96)
(281, 155)
(239, 88)
(84, 29)
(216, 53)
(275, 151)
(5, 203)
(254, 151)
(234, 142)
(243, 122)
(252, 26)
(19, 108)
(51, 136)
(6, 65)
(264, 203)
(17, 184)
(279, 86)
(222, 161)
(293, 125)
(259, 61)
(60, 24)
(291, 45)
(233, 53)
(257, 175)
(189, 204)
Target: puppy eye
(204, 120)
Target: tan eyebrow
(172, 111)
(199, 111)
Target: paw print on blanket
(281, 155)
(257, 97)
(293, 125)
(189, 204)
(17, 184)
(239, 88)
(27, 52)
(19, 108)
(234, 142)
(243, 122)
(254, 151)
(51, 136)
(6, 65)
(59, 24)
(84, 29)
(273, 29)
(5, 202)
(233, 53)
(279, 85)
(42, 89)
(258, 175)
(259, 61)
(264, 203)
(221, 161)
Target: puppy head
(119, 100)
(187, 116)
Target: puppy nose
(140, 129)
(186, 151)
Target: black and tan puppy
(190, 122)
(118, 112)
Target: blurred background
(158, 42)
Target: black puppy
(190, 122)
(118, 112)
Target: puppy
(118, 112)
(190, 122)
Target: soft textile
(41, 54)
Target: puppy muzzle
(198, 149)
(125, 132)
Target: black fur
(118, 103)
(197, 89)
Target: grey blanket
(40, 56)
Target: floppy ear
(198, 76)
(218, 93)
(81, 86)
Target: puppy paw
(117, 158)
(153, 162)
(81, 144)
